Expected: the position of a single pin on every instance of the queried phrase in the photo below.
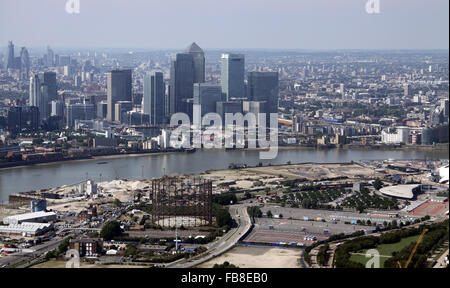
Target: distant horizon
(275, 24)
(150, 49)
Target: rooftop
(400, 191)
(194, 48)
(23, 217)
(24, 228)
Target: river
(23, 179)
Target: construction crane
(413, 251)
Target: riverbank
(443, 147)
(91, 158)
(136, 167)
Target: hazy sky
(278, 24)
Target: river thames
(29, 178)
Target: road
(225, 243)
(39, 251)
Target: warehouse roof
(31, 228)
(27, 216)
(400, 191)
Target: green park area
(385, 250)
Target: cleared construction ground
(310, 171)
(258, 257)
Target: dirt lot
(5, 212)
(258, 257)
(244, 177)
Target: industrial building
(36, 217)
(180, 201)
(38, 205)
(26, 229)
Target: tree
(117, 203)
(110, 230)
(269, 214)
(394, 224)
(62, 248)
(254, 211)
(281, 216)
(222, 215)
(50, 254)
(224, 265)
(131, 251)
(225, 199)
(248, 195)
(377, 184)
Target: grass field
(385, 250)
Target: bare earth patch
(258, 257)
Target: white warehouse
(36, 217)
(26, 229)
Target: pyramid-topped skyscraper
(199, 62)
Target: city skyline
(398, 25)
(316, 137)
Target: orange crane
(414, 250)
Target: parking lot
(302, 227)
(309, 214)
(300, 232)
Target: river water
(65, 173)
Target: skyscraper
(119, 84)
(44, 106)
(35, 90)
(199, 62)
(10, 61)
(444, 107)
(50, 57)
(181, 82)
(205, 98)
(49, 79)
(39, 96)
(406, 91)
(153, 102)
(79, 112)
(25, 63)
(263, 87)
(233, 73)
(342, 90)
(121, 109)
(23, 119)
